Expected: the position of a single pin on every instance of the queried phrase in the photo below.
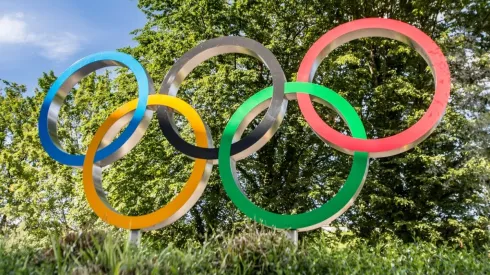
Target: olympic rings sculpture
(105, 148)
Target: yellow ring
(191, 191)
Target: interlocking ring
(50, 109)
(188, 196)
(376, 27)
(314, 218)
(260, 134)
(105, 148)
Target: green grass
(244, 253)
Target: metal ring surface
(378, 27)
(50, 108)
(222, 45)
(314, 218)
(178, 206)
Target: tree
(436, 191)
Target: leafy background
(437, 191)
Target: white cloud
(57, 46)
(60, 46)
(13, 29)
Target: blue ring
(143, 90)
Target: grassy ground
(244, 253)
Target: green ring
(333, 207)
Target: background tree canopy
(436, 191)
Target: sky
(39, 36)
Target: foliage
(437, 191)
(252, 252)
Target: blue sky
(38, 36)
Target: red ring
(401, 142)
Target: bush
(248, 252)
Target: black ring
(191, 59)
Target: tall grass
(249, 252)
